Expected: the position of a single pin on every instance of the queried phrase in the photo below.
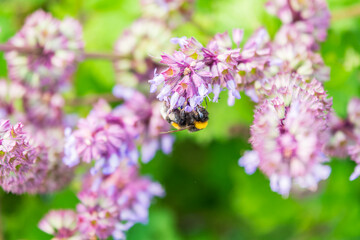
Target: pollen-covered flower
(138, 46)
(62, 224)
(186, 82)
(312, 16)
(288, 134)
(50, 49)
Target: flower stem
(8, 47)
(91, 99)
(5, 47)
(105, 56)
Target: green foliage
(208, 195)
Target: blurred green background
(207, 195)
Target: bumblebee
(180, 119)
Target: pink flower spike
(289, 134)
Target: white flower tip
(355, 174)
(181, 41)
(250, 161)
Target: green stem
(87, 55)
(91, 99)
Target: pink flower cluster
(46, 51)
(305, 23)
(102, 136)
(144, 115)
(171, 12)
(18, 159)
(290, 129)
(345, 136)
(137, 46)
(109, 136)
(288, 134)
(196, 71)
(109, 205)
(311, 17)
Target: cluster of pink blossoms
(305, 23)
(103, 135)
(289, 133)
(196, 71)
(109, 206)
(137, 46)
(172, 12)
(290, 129)
(109, 136)
(45, 51)
(344, 139)
(18, 168)
(140, 44)
(309, 18)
